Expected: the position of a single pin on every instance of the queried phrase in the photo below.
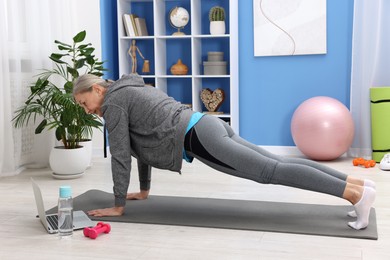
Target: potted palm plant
(52, 101)
(217, 20)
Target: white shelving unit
(193, 46)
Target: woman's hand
(118, 211)
(142, 195)
(108, 212)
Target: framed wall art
(289, 27)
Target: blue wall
(108, 25)
(271, 88)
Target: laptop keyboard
(53, 221)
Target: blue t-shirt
(193, 121)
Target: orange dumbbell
(363, 162)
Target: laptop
(50, 221)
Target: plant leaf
(80, 36)
(68, 86)
(84, 46)
(73, 72)
(80, 63)
(61, 43)
(40, 84)
(90, 60)
(61, 47)
(87, 51)
(41, 126)
(60, 132)
(57, 55)
(57, 60)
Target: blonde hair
(84, 83)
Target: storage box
(215, 67)
(380, 122)
(215, 56)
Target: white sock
(363, 208)
(367, 183)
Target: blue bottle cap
(65, 192)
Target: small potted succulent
(217, 20)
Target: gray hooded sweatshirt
(143, 122)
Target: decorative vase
(68, 163)
(179, 68)
(217, 27)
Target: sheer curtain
(28, 29)
(370, 65)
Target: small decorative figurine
(133, 54)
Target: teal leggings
(213, 142)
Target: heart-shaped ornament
(212, 100)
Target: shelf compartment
(213, 84)
(203, 45)
(142, 9)
(179, 89)
(169, 5)
(178, 48)
(213, 45)
(202, 9)
(146, 47)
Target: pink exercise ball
(322, 128)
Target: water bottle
(65, 212)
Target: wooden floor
(23, 237)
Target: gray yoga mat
(311, 219)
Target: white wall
(88, 18)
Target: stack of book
(134, 25)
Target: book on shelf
(134, 25)
(128, 25)
(133, 17)
(141, 26)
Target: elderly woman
(160, 132)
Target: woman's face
(91, 100)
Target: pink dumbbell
(98, 229)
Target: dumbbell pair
(363, 162)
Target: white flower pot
(217, 27)
(68, 162)
(88, 149)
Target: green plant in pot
(51, 99)
(217, 20)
